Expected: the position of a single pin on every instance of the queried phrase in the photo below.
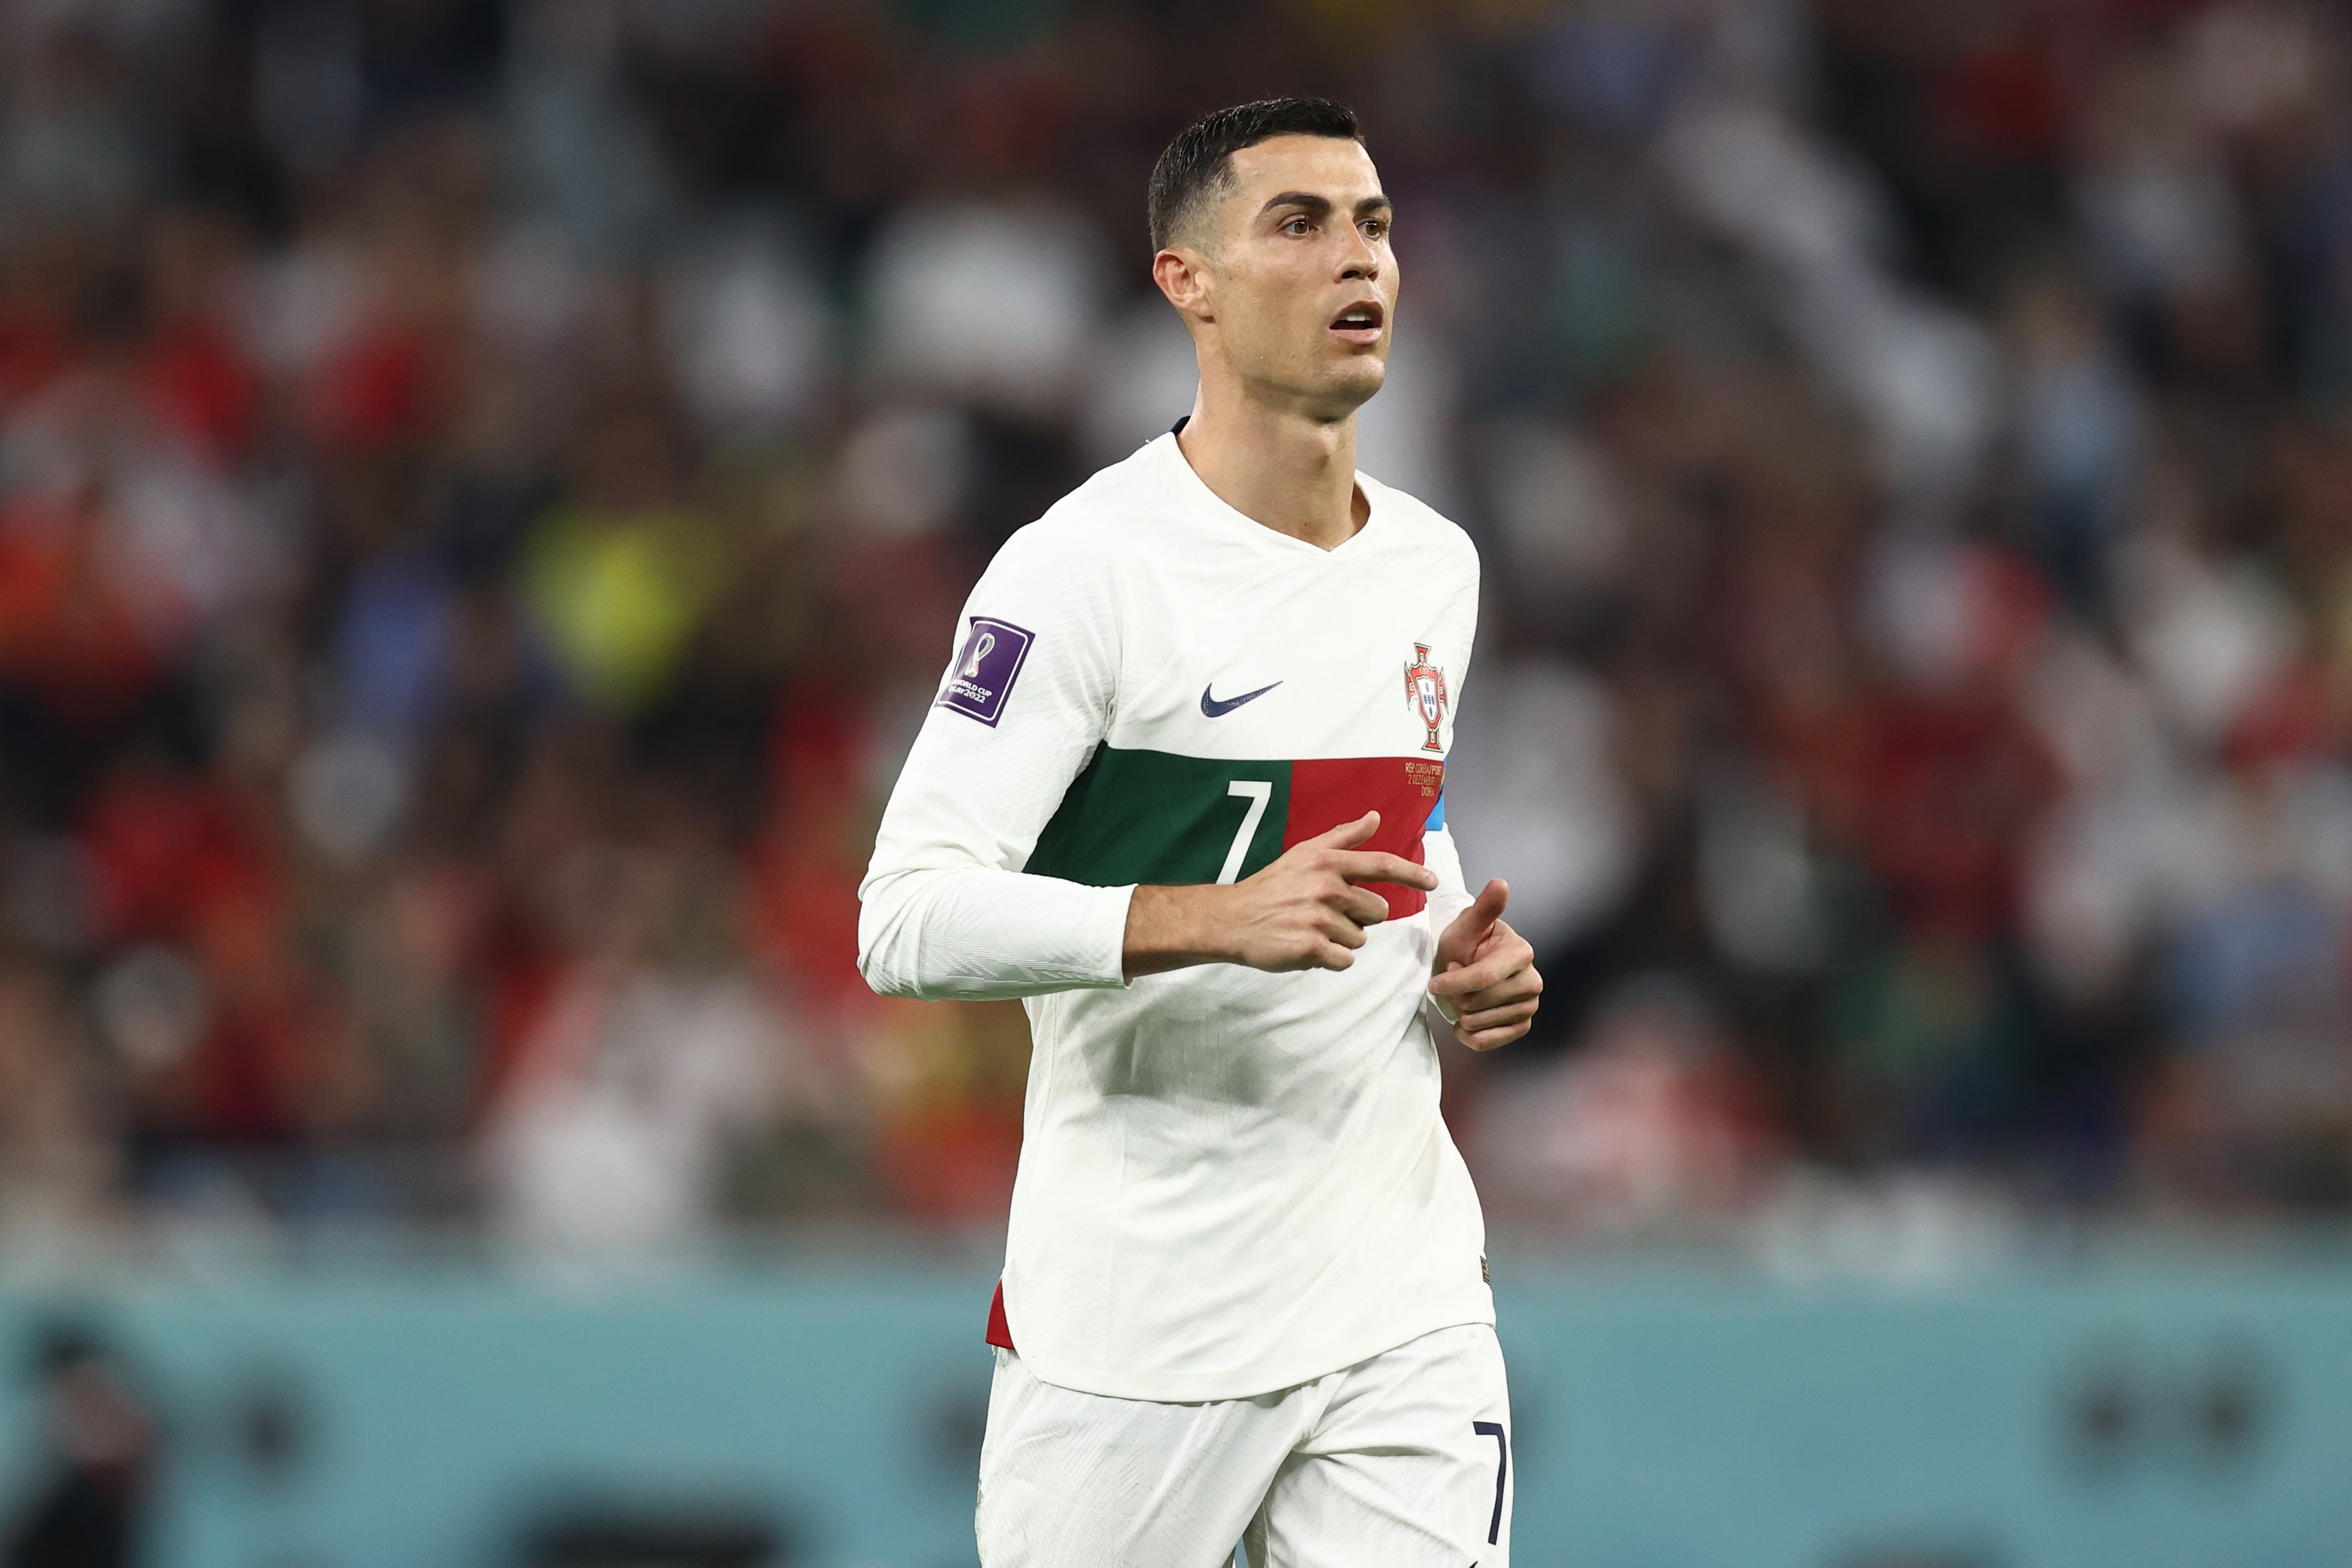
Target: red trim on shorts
(1000, 1331)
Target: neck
(1292, 472)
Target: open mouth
(1359, 323)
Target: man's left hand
(1485, 974)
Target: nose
(1361, 261)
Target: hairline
(1222, 182)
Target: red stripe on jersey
(1000, 1331)
(1328, 791)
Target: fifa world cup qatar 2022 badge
(1424, 689)
(985, 670)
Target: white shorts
(1402, 1461)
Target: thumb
(1348, 835)
(1485, 910)
(1468, 931)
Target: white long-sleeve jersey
(1230, 1181)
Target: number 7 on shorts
(1502, 1471)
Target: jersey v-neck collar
(1195, 491)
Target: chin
(1352, 384)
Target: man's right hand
(1309, 910)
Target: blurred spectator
(609, 1129)
(484, 490)
(90, 1492)
(58, 1158)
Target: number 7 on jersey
(1257, 791)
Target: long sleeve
(947, 911)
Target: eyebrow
(1309, 202)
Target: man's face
(1303, 283)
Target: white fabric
(1379, 1465)
(1230, 1181)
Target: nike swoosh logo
(1213, 709)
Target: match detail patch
(986, 668)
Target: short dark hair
(1200, 160)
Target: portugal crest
(1424, 692)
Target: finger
(1519, 985)
(1346, 932)
(1379, 866)
(1499, 997)
(1333, 956)
(1348, 835)
(1487, 1039)
(1495, 1017)
(1362, 906)
(1489, 971)
(1479, 928)
(1487, 907)
(1494, 939)
(1460, 953)
(1495, 964)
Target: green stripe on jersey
(1158, 817)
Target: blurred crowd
(485, 489)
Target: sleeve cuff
(1113, 935)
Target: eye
(1374, 227)
(1301, 225)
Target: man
(95, 1481)
(1181, 789)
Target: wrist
(1175, 927)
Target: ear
(1183, 274)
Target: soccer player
(1181, 790)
